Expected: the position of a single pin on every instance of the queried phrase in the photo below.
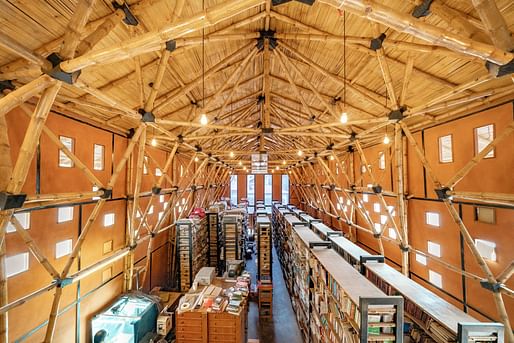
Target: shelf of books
(301, 237)
(290, 221)
(232, 228)
(435, 319)
(213, 226)
(321, 229)
(264, 257)
(346, 307)
(192, 249)
(350, 251)
(308, 219)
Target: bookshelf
(215, 239)
(192, 249)
(300, 295)
(232, 228)
(346, 307)
(321, 229)
(435, 319)
(264, 258)
(350, 251)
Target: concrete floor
(282, 328)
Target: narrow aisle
(283, 328)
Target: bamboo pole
(13, 46)
(266, 80)
(163, 62)
(209, 126)
(475, 160)
(22, 94)
(89, 42)
(152, 41)
(505, 275)
(401, 22)
(406, 79)
(401, 203)
(495, 24)
(386, 73)
(75, 27)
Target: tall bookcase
(192, 251)
(264, 258)
(232, 228)
(215, 239)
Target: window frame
(441, 150)
(381, 159)
(68, 220)
(438, 219)
(94, 156)
(475, 140)
(26, 262)
(68, 244)
(60, 151)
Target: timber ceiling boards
(253, 97)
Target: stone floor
(282, 328)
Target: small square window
(338, 206)
(365, 197)
(64, 160)
(106, 274)
(435, 278)
(165, 205)
(161, 198)
(381, 160)
(160, 215)
(363, 169)
(95, 189)
(378, 227)
(150, 211)
(158, 172)
(23, 218)
(138, 214)
(16, 264)
(432, 218)
(485, 215)
(345, 208)
(109, 219)
(445, 149)
(486, 249)
(422, 259)
(434, 249)
(64, 214)
(183, 201)
(383, 219)
(392, 233)
(107, 248)
(348, 202)
(391, 210)
(483, 136)
(376, 207)
(63, 248)
(145, 165)
(99, 157)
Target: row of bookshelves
(433, 319)
(264, 256)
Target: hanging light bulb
(331, 157)
(240, 163)
(203, 119)
(284, 162)
(231, 154)
(196, 159)
(154, 142)
(300, 153)
(344, 118)
(386, 139)
(272, 170)
(276, 168)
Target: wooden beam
(22, 94)
(386, 73)
(75, 27)
(401, 22)
(13, 46)
(266, 80)
(152, 41)
(495, 24)
(505, 275)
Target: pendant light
(203, 117)
(344, 115)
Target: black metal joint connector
(493, 287)
(376, 43)
(57, 73)
(422, 10)
(129, 19)
(156, 190)
(404, 248)
(171, 45)
(500, 70)
(442, 193)
(107, 193)
(9, 201)
(61, 283)
(146, 117)
(377, 189)
(6, 84)
(397, 114)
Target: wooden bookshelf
(351, 252)
(321, 229)
(264, 249)
(435, 316)
(232, 228)
(192, 249)
(346, 306)
(300, 294)
(214, 234)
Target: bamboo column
(401, 203)
(386, 73)
(266, 80)
(17, 179)
(75, 27)
(24, 93)
(495, 24)
(500, 306)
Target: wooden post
(76, 24)
(505, 275)
(401, 203)
(495, 24)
